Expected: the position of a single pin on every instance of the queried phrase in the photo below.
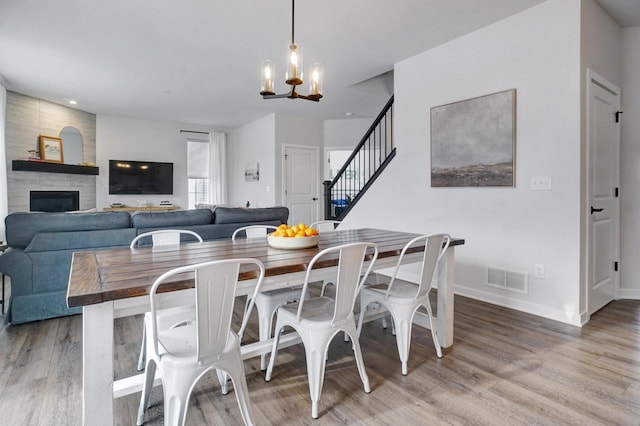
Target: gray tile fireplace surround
(26, 119)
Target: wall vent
(508, 280)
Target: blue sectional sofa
(41, 244)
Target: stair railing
(363, 166)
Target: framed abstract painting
(473, 142)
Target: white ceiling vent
(508, 280)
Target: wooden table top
(104, 275)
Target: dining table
(115, 283)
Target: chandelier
(293, 76)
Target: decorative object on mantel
(51, 149)
(72, 140)
(294, 73)
(473, 141)
(33, 154)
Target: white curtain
(218, 168)
(4, 202)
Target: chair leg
(265, 322)
(235, 370)
(315, 351)
(143, 348)
(274, 350)
(363, 308)
(359, 361)
(402, 319)
(147, 386)
(434, 333)
(222, 378)
(177, 389)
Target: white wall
(342, 134)
(630, 165)
(537, 52)
(253, 143)
(345, 133)
(120, 138)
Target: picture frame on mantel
(51, 149)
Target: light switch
(540, 183)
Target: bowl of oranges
(293, 237)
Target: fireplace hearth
(54, 201)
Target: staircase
(362, 168)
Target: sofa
(41, 245)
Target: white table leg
(446, 282)
(97, 364)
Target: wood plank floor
(506, 368)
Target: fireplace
(54, 201)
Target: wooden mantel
(43, 166)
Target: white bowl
(292, 242)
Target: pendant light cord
(293, 8)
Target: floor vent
(508, 280)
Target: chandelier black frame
(293, 77)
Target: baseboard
(520, 305)
(629, 293)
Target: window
(198, 171)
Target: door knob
(315, 198)
(595, 210)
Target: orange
(290, 232)
(295, 229)
(302, 226)
(300, 234)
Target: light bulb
(266, 85)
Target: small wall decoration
(473, 141)
(51, 149)
(252, 172)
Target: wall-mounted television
(140, 177)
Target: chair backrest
(253, 231)
(215, 292)
(350, 279)
(328, 225)
(165, 237)
(435, 246)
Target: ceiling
(197, 61)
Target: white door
(603, 139)
(301, 183)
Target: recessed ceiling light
(165, 91)
(348, 113)
(73, 102)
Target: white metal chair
(318, 319)
(324, 226)
(184, 354)
(163, 237)
(328, 225)
(403, 298)
(267, 302)
(167, 318)
(253, 231)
